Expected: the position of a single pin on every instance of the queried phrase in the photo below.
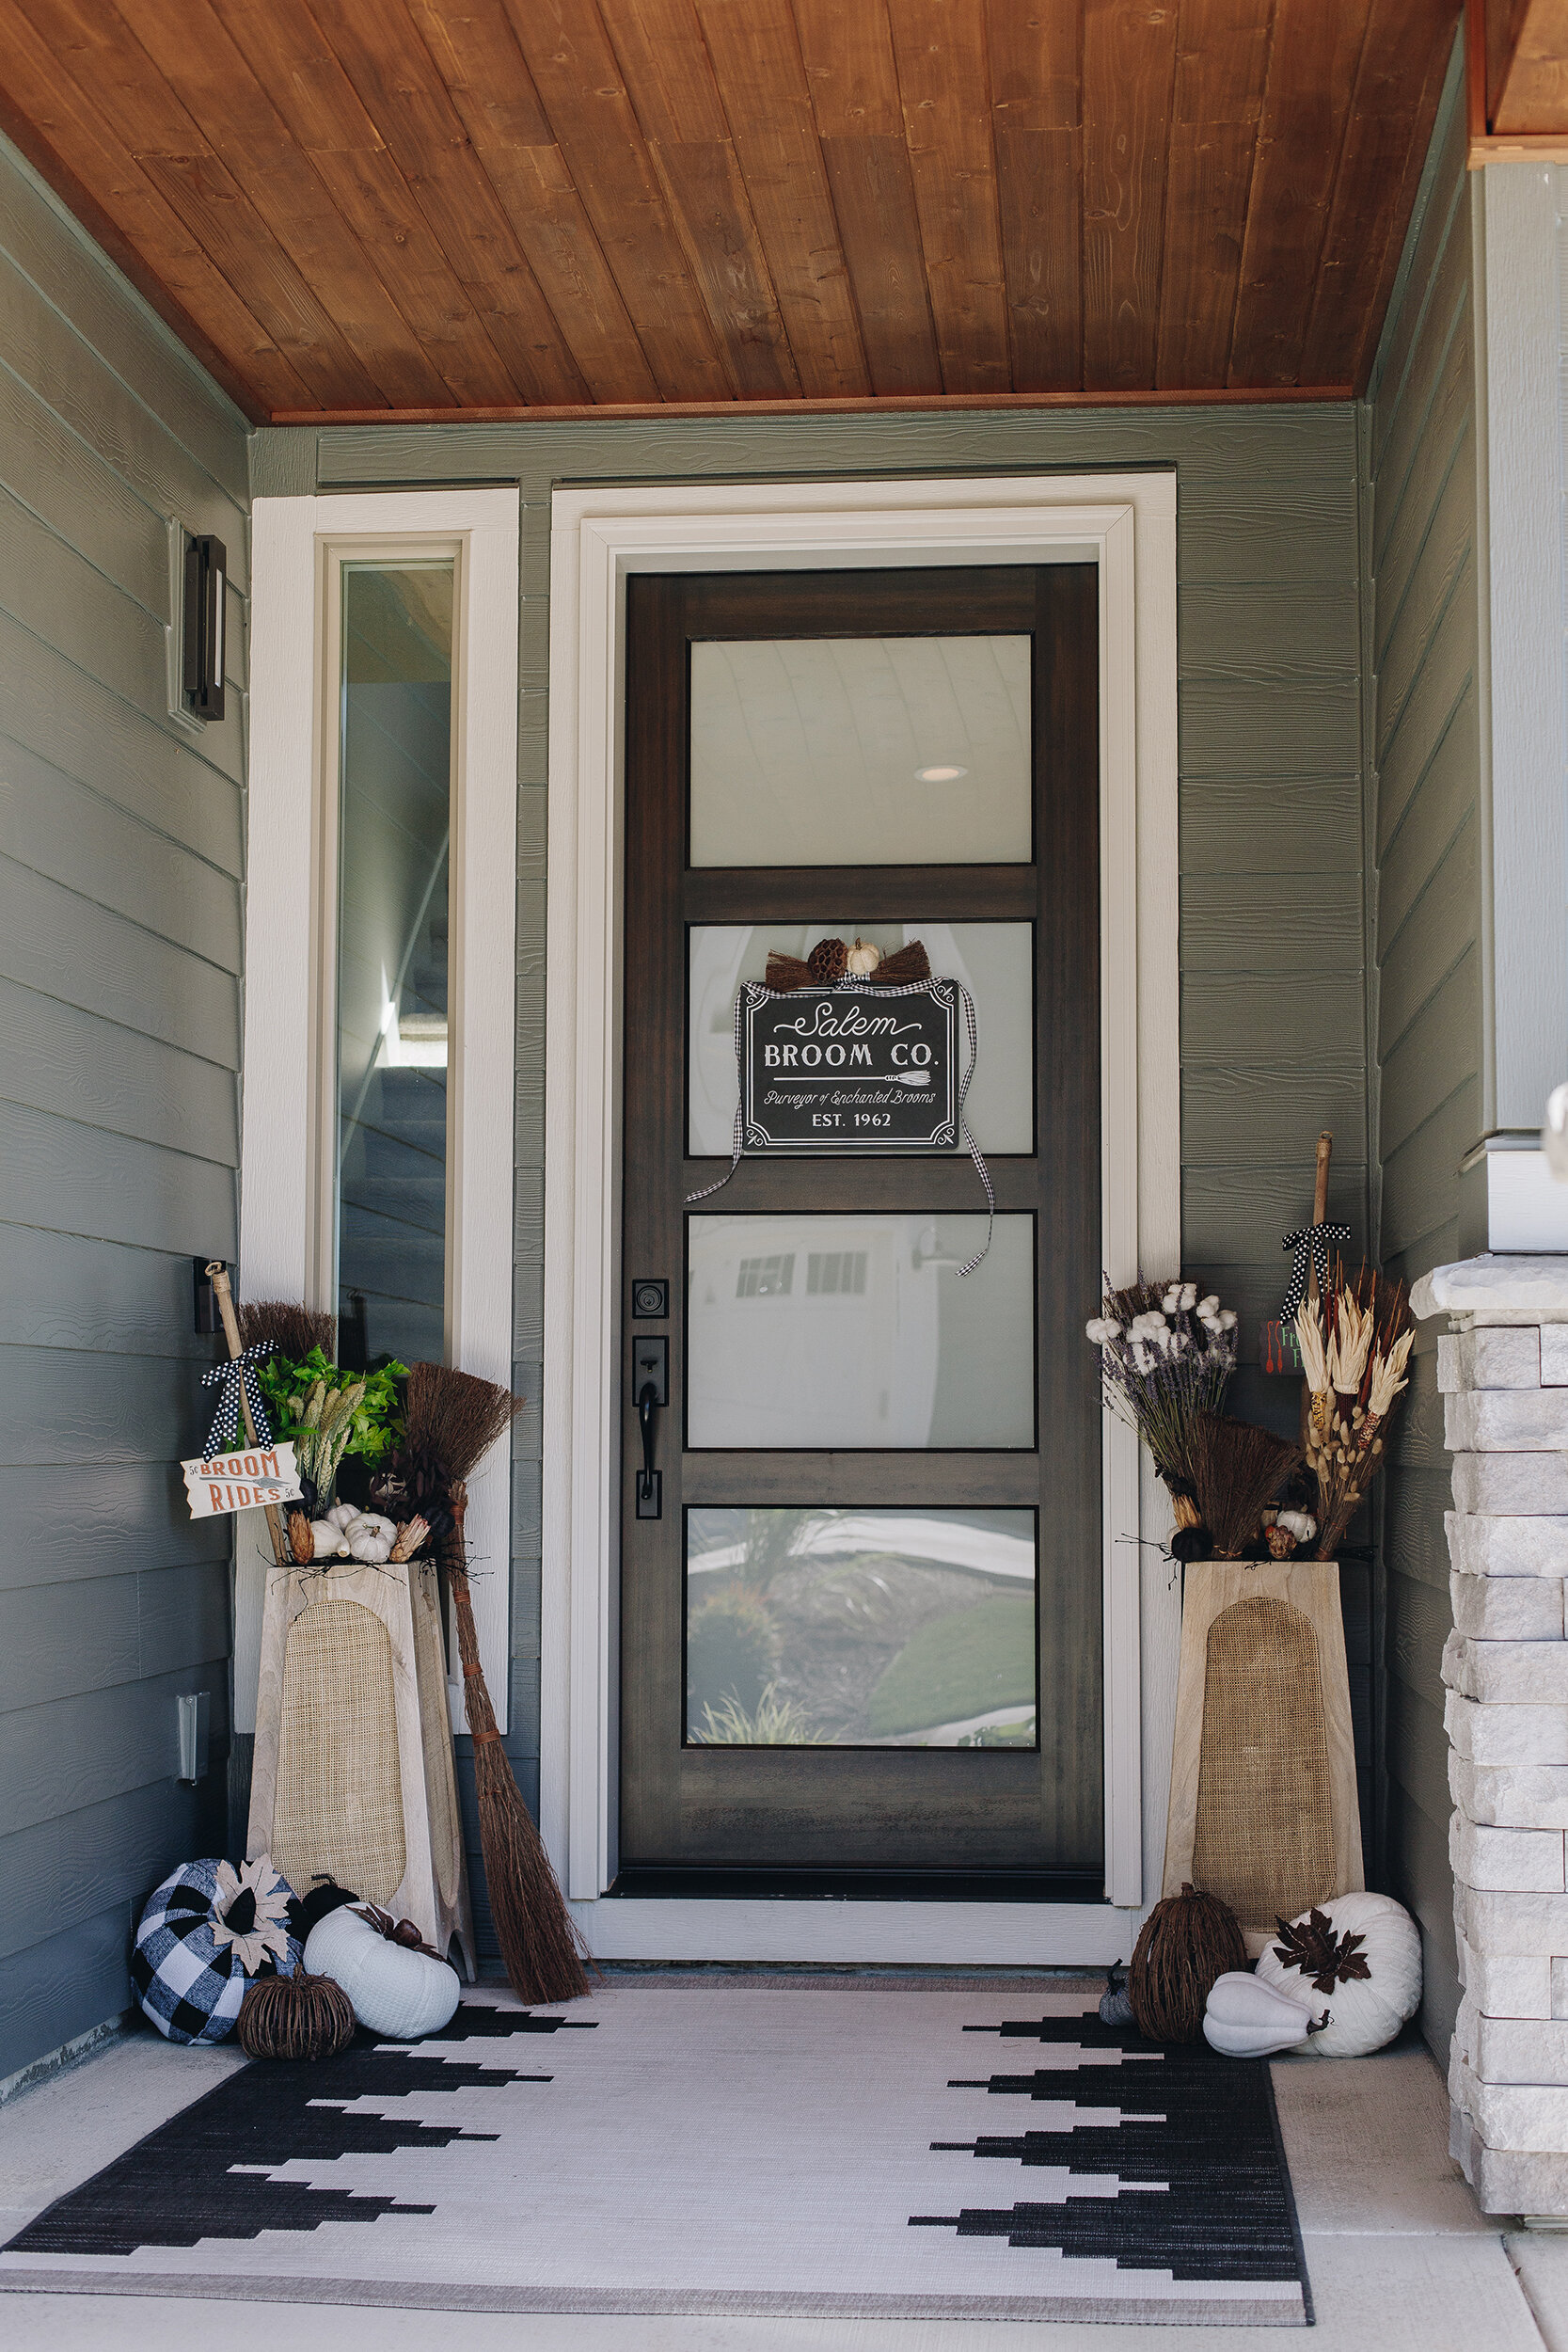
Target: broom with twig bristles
(453, 1420)
(1237, 1470)
(292, 1330)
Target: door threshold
(884, 1927)
(685, 1883)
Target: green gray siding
(1422, 715)
(1273, 1008)
(120, 837)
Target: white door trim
(1126, 525)
(288, 963)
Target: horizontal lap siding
(1420, 544)
(121, 880)
(1273, 1017)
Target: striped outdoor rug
(861, 2148)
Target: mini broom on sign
(453, 1420)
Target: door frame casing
(1125, 524)
(290, 969)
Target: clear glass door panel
(862, 751)
(821, 1333)
(394, 825)
(897, 1628)
(994, 961)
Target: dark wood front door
(861, 1643)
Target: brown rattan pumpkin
(1186, 1944)
(295, 2017)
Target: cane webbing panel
(339, 1807)
(1265, 1835)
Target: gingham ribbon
(236, 1378)
(1309, 1240)
(757, 993)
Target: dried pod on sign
(826, 961)
(1188, 1942)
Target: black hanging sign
(864, 1069)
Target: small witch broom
(453, 1420)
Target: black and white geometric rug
(867, 2148)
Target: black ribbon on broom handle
(758, 992)
(237, 1385)
(1309, 1244)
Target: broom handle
(1319, 1204)
(219, 1279)
(476, 1706)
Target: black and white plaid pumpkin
(190, 1968)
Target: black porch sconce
(206, 568)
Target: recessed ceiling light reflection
(939, 775)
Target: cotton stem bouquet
(1165, 1358)
(1354, 1347)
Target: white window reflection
(897, 1628)
(881, 1345)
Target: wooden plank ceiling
(351, 208)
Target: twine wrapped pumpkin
(1186, 1944)
(295, 2017)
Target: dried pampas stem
(453, 1420)
(1237, 1470)
(292, 1330)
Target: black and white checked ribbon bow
(1309, 1242)
(757, 993)
(236, 1378)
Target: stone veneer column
(1503, 1372)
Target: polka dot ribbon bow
(234, 1378)
(1309, 1243)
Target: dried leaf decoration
(1312, 1947)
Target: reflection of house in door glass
(879, 1344)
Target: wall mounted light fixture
(206, 572)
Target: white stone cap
(1534, 1289)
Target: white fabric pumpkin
(1366, 2011)
(402, 1993)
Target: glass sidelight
(393, 848)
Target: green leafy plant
(371, 1425)
(773, 1723)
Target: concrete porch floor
(1399, 2257)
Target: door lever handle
(650, 1483)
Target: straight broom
(453, 1420)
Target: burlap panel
(1264, 1836)
(339, 1807)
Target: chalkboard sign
(858, 1068)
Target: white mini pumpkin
(370, 1537)
(1246, 2017)
(327, 1540)
(1365, 2011)
(402, 1993)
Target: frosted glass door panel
(819, 1333)
(901, 1629)
(995, 961)
(862, 751)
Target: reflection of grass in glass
(957, 1666)
(774, 1723)
(730, 1648)
(1019, 1735)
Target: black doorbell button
(650, 1300)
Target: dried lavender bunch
(1165, 1356)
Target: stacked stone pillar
(1503, 1373)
